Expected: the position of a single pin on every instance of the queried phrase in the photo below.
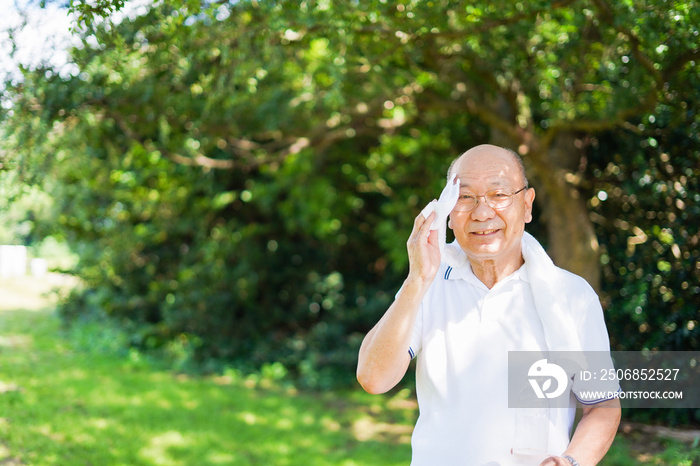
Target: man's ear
(529, 201)
(449, 222)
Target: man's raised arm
(384, 357)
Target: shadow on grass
(74, 407)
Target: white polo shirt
(461, 339)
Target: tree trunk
(573, 244)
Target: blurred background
(232, 183)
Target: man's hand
(423, 250)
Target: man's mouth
(483, 232)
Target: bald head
(485, 150)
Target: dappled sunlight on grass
(159, 445)
(104, 412)
(366, 428)
(66, 405)
(30, 293)
(15, 341)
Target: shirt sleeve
(592, 332)
(417, 334)
(416, 342)
(589, 386)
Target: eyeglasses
(496, 199)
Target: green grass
(636, 447)
(62, 404)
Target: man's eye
(499, 196)
(466, 197)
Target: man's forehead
(468, 182)
(502, 175)
(488, 160)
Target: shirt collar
(465, 272)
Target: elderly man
(465, 305)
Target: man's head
(516, 159)
(485, 233)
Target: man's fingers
(420, 220)
(433, 237)
(423, 223)
(420, 229)
(429, 219)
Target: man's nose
(482, 211)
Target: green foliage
(277, 258)
(646, 206)
(22, 211)
(646, 203)
(56, 253)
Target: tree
(199, 141)
(541, 75)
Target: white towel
(442, 208)
(552, 305)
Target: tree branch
(676, 65)
(198, 161)
(493, 119)
(593, 126)
(608, 15)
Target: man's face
(488, 234)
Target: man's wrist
(571, 460)
(416, 284)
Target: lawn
(61, 404)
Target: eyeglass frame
(476, 203)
